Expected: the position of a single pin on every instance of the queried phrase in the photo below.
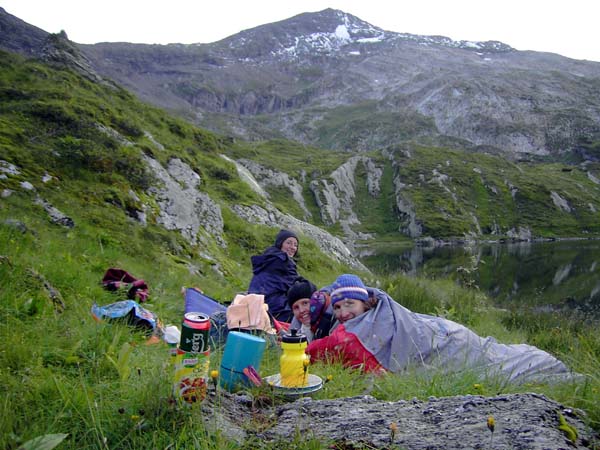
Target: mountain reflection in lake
(540, 274)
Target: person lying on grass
(374, 333)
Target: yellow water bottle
(294, 361)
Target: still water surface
(539, 274)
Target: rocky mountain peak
(329, 32)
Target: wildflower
(135, 417)
(393, 430)
(329, 378)
(214, 375)
(479, 388)
(491, 424)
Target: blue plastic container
(241, 350)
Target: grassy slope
(482, 194)
(480, 185)
(57, 373)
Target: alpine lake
(544, 276)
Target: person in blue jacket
(274, 272)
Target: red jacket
(345, 347)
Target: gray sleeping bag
(398, 337)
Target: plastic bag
(132, 311)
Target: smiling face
(290, 246)
(348, 308)
(301, 310)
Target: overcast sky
(566, 27)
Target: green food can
(195, 333)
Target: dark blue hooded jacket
(274, 273)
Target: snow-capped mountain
(332, 32)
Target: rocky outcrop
(269, 215)
(268, 177)
(335, 196)
(327, 201)
(9, 170)
(560, 202)
(594, 179)
(182, 206)
(409, 224)
(57, 49)
(520, 234)
(561, 274)
(56, 216)
(328, 244)
(512, 188)
(521, 422)
(247, 177)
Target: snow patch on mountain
(342, 33)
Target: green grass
(57, 373)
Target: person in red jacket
(377, 334)
(349, 299)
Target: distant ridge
(332, 80)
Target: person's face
(290, 246)
(348, 308)
(301, 310)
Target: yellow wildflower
(491, 423)
(214, 375)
